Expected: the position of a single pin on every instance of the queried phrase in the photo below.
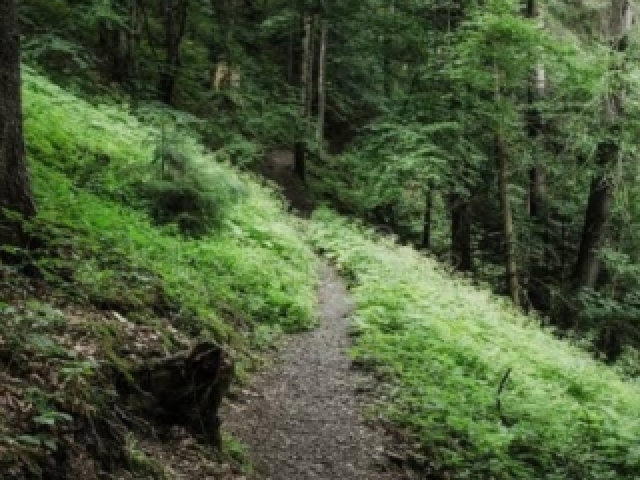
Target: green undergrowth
(449, 351)
(86, 163)
(118, 286)
(253, 272)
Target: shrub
(183, 192)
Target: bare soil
(302, 418)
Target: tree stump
(185, 389)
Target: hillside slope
(486, 391)
(108, 285)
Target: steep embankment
(110, 284)
(484, 389)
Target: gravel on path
(301, 419)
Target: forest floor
(302, 418)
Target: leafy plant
(184, 192)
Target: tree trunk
(426, 228)
(15, 193)
(536, 91)
(175, 20)
(119, 42)
(595, 221)
(387, 85)
(310, 28)
(507, 221)
(536, 88)
(322, 96)
(133, 37)
(291, 47)
(537, 191)
(601, 193)
(299, 163)
(460, 232)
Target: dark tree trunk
(601, 192)
(460, 232)
(322, 91)
(387, 69)
(299, 160)
(508, 231)
(537, 187)
(305, 75)
(532, 9)
(535, 125)
(15, 193)
(113, 43)
(118, 42)
(175, 21)
(533, 267)
(596, 217)
(535, 130)
(426, 228)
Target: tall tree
(460, 209)
(508, 231)
(386, 54)
(306, 92)
(175, 24)
(534, 266)
(601, 192)
(535, 93)
(15, 193)
(427, 218)
(322, 91)
(119, 28)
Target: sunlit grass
(252, 269)
(448, 345)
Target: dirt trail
(301, 419)
(278, 167)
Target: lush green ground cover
(448, 346)
(106, 283)
(87, 162)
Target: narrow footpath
(301, 419)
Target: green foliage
(457, 77)
(131, 264)
(176, 182)
(393, 163)
(96, 245)
(142, 464)
(447, 346)
(182, 192)
(236, 450)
